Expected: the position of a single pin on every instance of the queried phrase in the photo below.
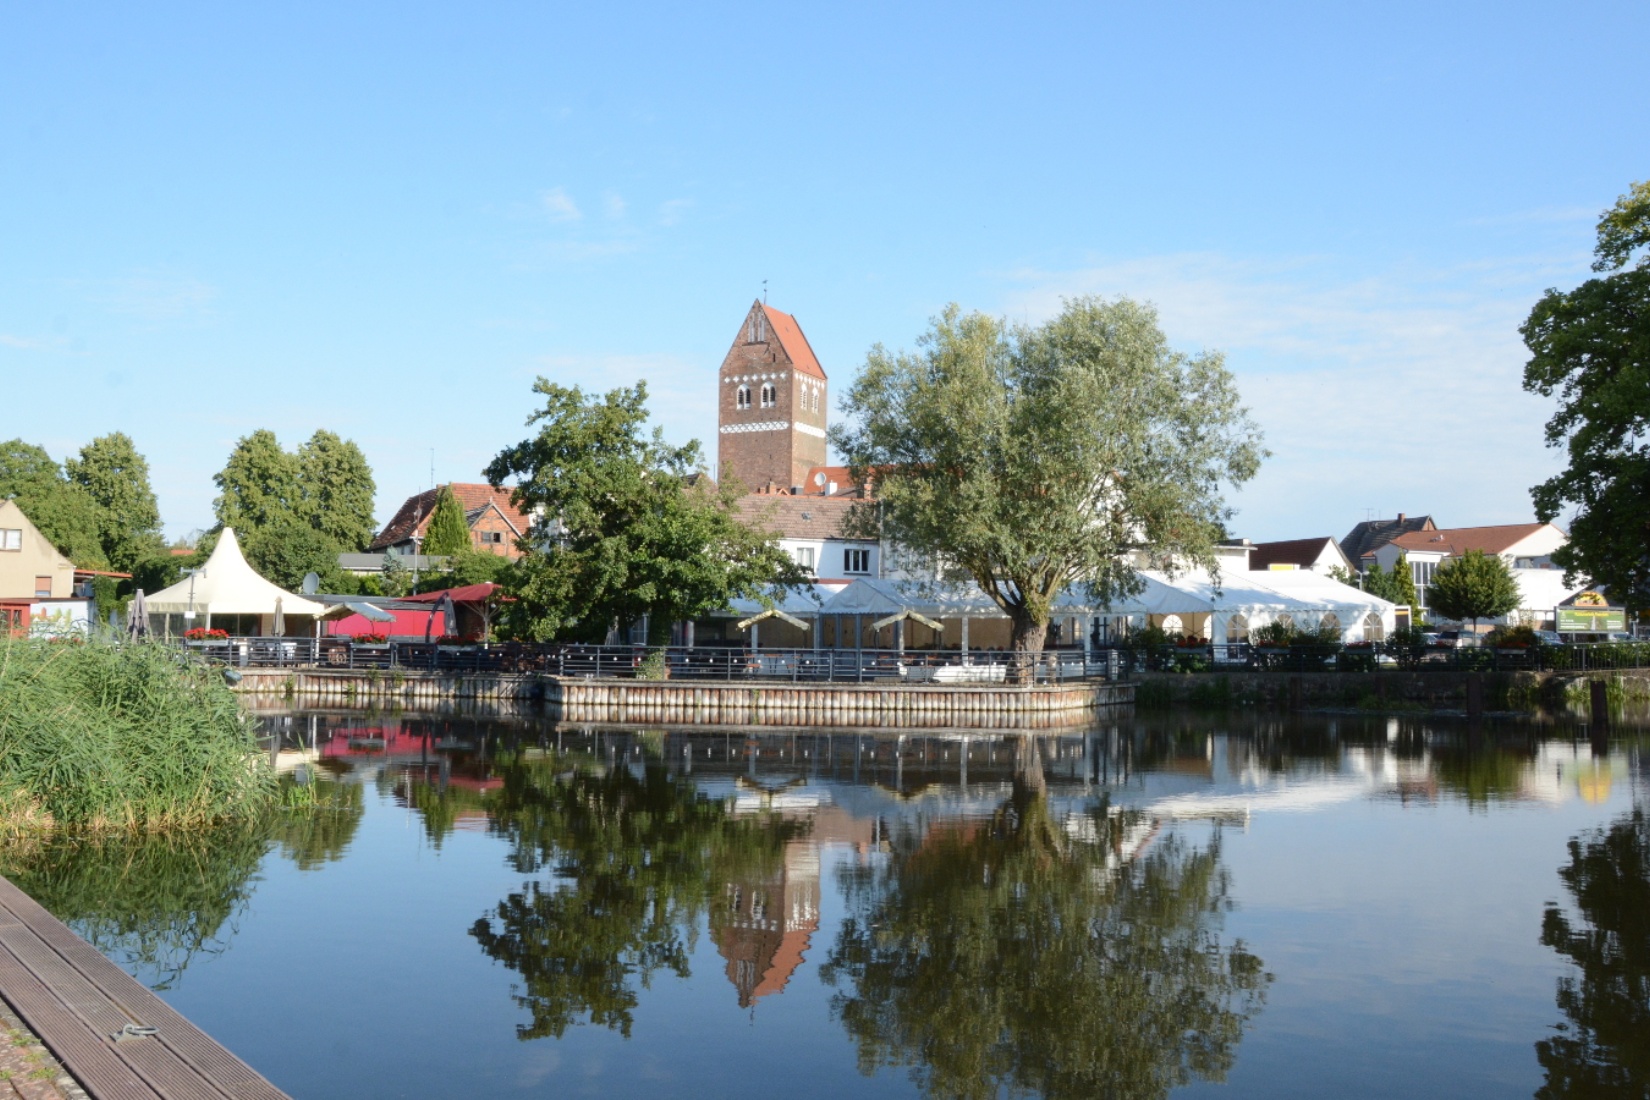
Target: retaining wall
(1043, 706)
(1433, 690)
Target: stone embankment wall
(1432, 690)
(1045, 706)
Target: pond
(1263, 906)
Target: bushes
(102, 736)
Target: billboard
(1590, 614)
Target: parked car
(1458, 639)
(1549, 637)
(1432, 640)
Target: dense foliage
(1473, 586)
(627, 525)
(296, 512)
(1591, 347)
(116, 479)
(61, 510)
(102, 736)
(1030, 459)
(448, 532)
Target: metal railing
(1320, 657)
(675, 662)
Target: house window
(770, 396)
(42, 588)
(856, 561)
(11, 538)
(805, 557)
(491, 536)
(742, 398)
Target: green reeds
(99, 735)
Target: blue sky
(386, 220)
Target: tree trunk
(1028, 649)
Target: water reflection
(154, 904)
(634, 856)
(1076, 955)
(1604, 1048)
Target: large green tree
(1473, 586)
(1022, 956)
(116, 477)
(628, 525)
(448, 532)
(61, 510)
(258, 485)
(1591, 347)
(336, 490)
(1030, 459)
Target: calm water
(1325, 906)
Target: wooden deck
(76, 1000)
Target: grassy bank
(102, 736)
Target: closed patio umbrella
(137, 618)
(278, 628)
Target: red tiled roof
(413, 517)
(1458, 540)
(795, 344)
(469, 593)
(802, 517)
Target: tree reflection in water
(635, 858)
(155, 902)
(1022, 955)
(1604, 1049)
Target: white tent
(1227, 610)
(227, 585)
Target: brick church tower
(771, 412)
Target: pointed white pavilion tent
(227, 585)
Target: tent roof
(1194, 592)
(227, 585)
(884, 597)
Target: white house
(1527, 548)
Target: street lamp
(189, 616)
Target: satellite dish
(312, 584)
(819, 479)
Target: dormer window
(742, 397)
(770, 395)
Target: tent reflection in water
(226, 586)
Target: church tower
(771, 412)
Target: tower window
(742, 398)
(770, 396)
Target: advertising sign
(1590, 614)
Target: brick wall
(779, 442)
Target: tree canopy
(1473, 586)
(1591, 348)
(336, 490)
(116, 478)
(448, 532)
(627, 525)
(62, 511)
(1029, 459)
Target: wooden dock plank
(80, 998)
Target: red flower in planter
(205, 634)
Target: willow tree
(1032, 459)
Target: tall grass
(99, 735)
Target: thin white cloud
(30, 343)
(155, 297)
(613, 205)
(559, 206)
(672, 211)
(1394, 391)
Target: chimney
(1400, 517)
(830, 489)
